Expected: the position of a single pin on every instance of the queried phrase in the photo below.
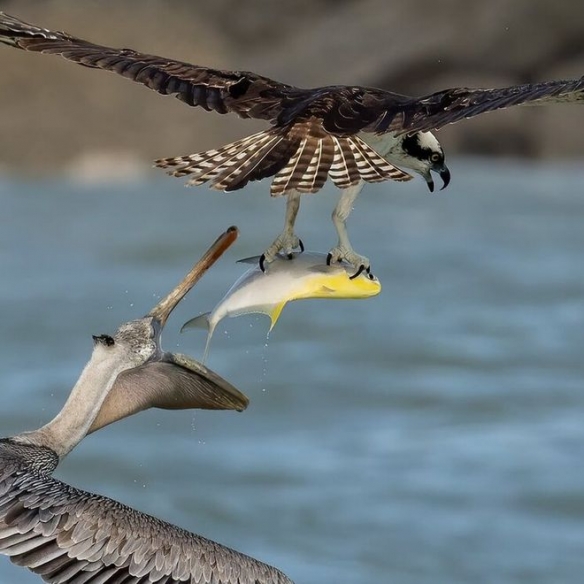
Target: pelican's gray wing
(434, 111)
(69, 536)
(241, 92)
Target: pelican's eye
(103, 340)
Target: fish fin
(249, 260)
(275, 313)
(201, 321)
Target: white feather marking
(312, 171)
(339, 172)
(246, 148)
(222, 182)
(282, 178)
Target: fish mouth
(444, 173)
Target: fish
(291, 277)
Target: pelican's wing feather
(69, 536)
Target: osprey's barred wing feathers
(69, 536)
(243, 93)
(434, 111)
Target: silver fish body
(306, 275)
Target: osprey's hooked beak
(444, 173)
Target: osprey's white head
(422, 153)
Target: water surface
(433, 434)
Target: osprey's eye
(435, 157)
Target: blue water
(433, 434)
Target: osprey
(351, 134)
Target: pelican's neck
(71, 424)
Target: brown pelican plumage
(69, 536)
(351, 134)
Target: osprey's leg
(344, 250)
(287, 241)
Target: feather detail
(299, 158)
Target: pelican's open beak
(444, 173)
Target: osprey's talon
(263, 262)
(284, 245)
(345, 253)
(361, 269)
(369, 274)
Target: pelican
(69, 536)
(352, 134)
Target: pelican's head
(422, 153)
(156, 378)
(138, 340)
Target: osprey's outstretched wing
(246, 94)
(434, 111)
(340, 110)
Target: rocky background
(59, 117)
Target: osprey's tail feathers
(297, 161)
(346, 160)
(231, 167)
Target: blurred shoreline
(56, 117)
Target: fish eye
(435, 157)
